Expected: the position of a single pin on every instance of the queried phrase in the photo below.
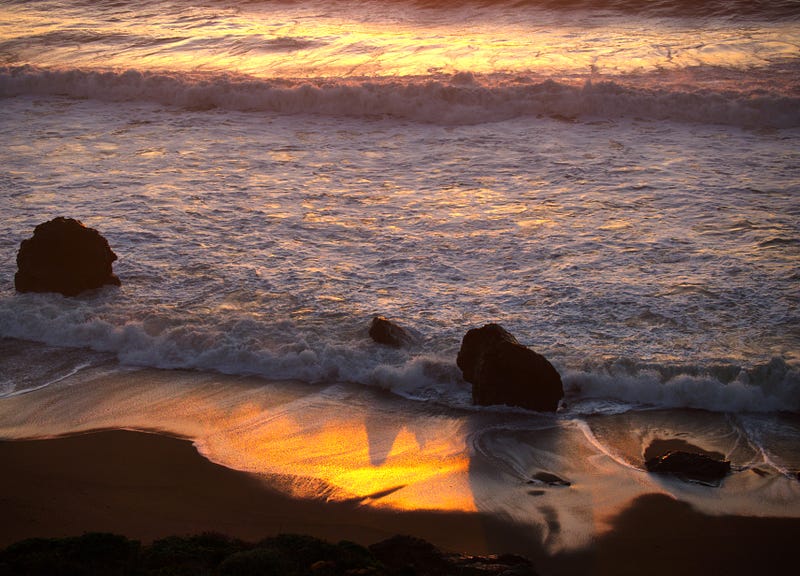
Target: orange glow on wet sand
(401, 472)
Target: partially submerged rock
(64, 256)
(690, 466)
(386, 332)
(502, 371)
(549, 479)
(660, 446)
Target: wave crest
(769, 387)
(461, 99)
(426, 375)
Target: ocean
(616, 182)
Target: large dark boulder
(64, 256)
(502, 371)
(690, 466)
(386, 332)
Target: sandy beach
(152, 453)
(148, 486)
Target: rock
(386, 332)
(64, 256)
(660, 446)
(549, 479)
(502, 371)
(689, 466)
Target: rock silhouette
(690, 466)
(64, 256)
(502, 371)
(386, 332)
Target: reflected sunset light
(261, 41)
(380, 466)
(385, 460)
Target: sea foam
(462, 98)
(427, 375)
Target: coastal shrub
(406, 555)
(189, 556)
(306, 554)
(350, 555)
(217, 555)
(258, 562)
(299, 546)
(93, 554)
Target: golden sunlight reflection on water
(388, 460)
(393, 466)
(304, 42)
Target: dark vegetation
(211, 554)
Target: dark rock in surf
(64, 256)
(689, 466)
(502, 371)
(384, 331)
(549, 479)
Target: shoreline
(149, 486)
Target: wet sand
(147, 486)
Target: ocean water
(615, 182)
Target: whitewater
(616, 183)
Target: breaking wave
(461, 98)
(425, 373)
